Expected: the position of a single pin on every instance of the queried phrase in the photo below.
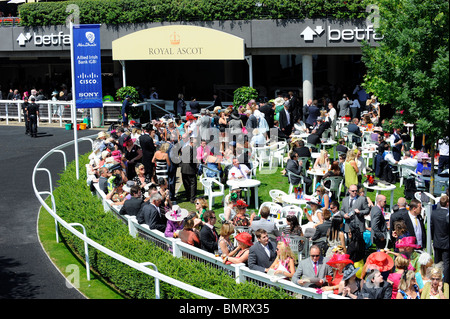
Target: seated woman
(284, 263)
(190, 234)
(435, 288)
(324, 198)
(323, 161)
(201, 205)
(229, 211)
(213, 163)
(117, 194)
(241, 252)
(225, 245)
(174, 221)
(314, 215)
(408, 289)
(142, 179)
(166, 203)
(240, 219)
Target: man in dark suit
(354, 128)
(440, 235)
(151, 214)
(265, 224)
(302, 150)
(313, 114)
(355, 208)
(209, 238)
(194, 105)
(189, 169)
(414, 222)
(397, 214)
(285, 121)
(148, 149)
(306, 110)
(133, 205)
(294, 107)
(269, 113)
(294, 166)
(341, 148)
(311, 271)
(262, 254)
(378, 223)
(322, 231)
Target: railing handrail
(138, 266)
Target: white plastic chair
(263, 155)
(238, 230)
(292, 210)
(276, 194)
(335, 186)
(291, 186)
(208, 185)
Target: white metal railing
(60, 111)
(91, 243)
(179, 249)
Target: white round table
(246, 183)
(315, 173)
(367, 152)
(290, 199)
(379, 189)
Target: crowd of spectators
(136, 166)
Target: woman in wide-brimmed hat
(407, 246)
(350, 285)
(175, 219)
(314, 215)
(240, 254)
(423, 163)
(240, 219)
(338, 262)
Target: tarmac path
(25, 270)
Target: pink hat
(409, 241)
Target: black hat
(114, 167)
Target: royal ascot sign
(178, 42)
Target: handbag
(244, 130)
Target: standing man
(443, 155)
(194, 105)
(148, 149)
(262, 254)
(33, 117)
(311, 271)
(396, 144)
(25, 115)
(284, 121)
(440, 235)
(378, 222)
(181, 105)
(414, 222)
(294, 107)
(332, 114)
(189, 169)
(355, 208)
(209, 238)
(343, 106)
(305, 112)
(126, 104)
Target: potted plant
(244, 94)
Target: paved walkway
(25, 270)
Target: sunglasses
(313, 256)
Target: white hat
(176, 214)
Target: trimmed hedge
(75, 203)
(113, 12)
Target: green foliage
(75, 203)
(114, 12)
(135, 112)
(410, 68)
(243, 95)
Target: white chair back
(292, 210)
(275, 210)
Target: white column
(307, 67)
(250, 69)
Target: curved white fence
(179, 249)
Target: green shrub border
(76, 204)
(113, 12)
